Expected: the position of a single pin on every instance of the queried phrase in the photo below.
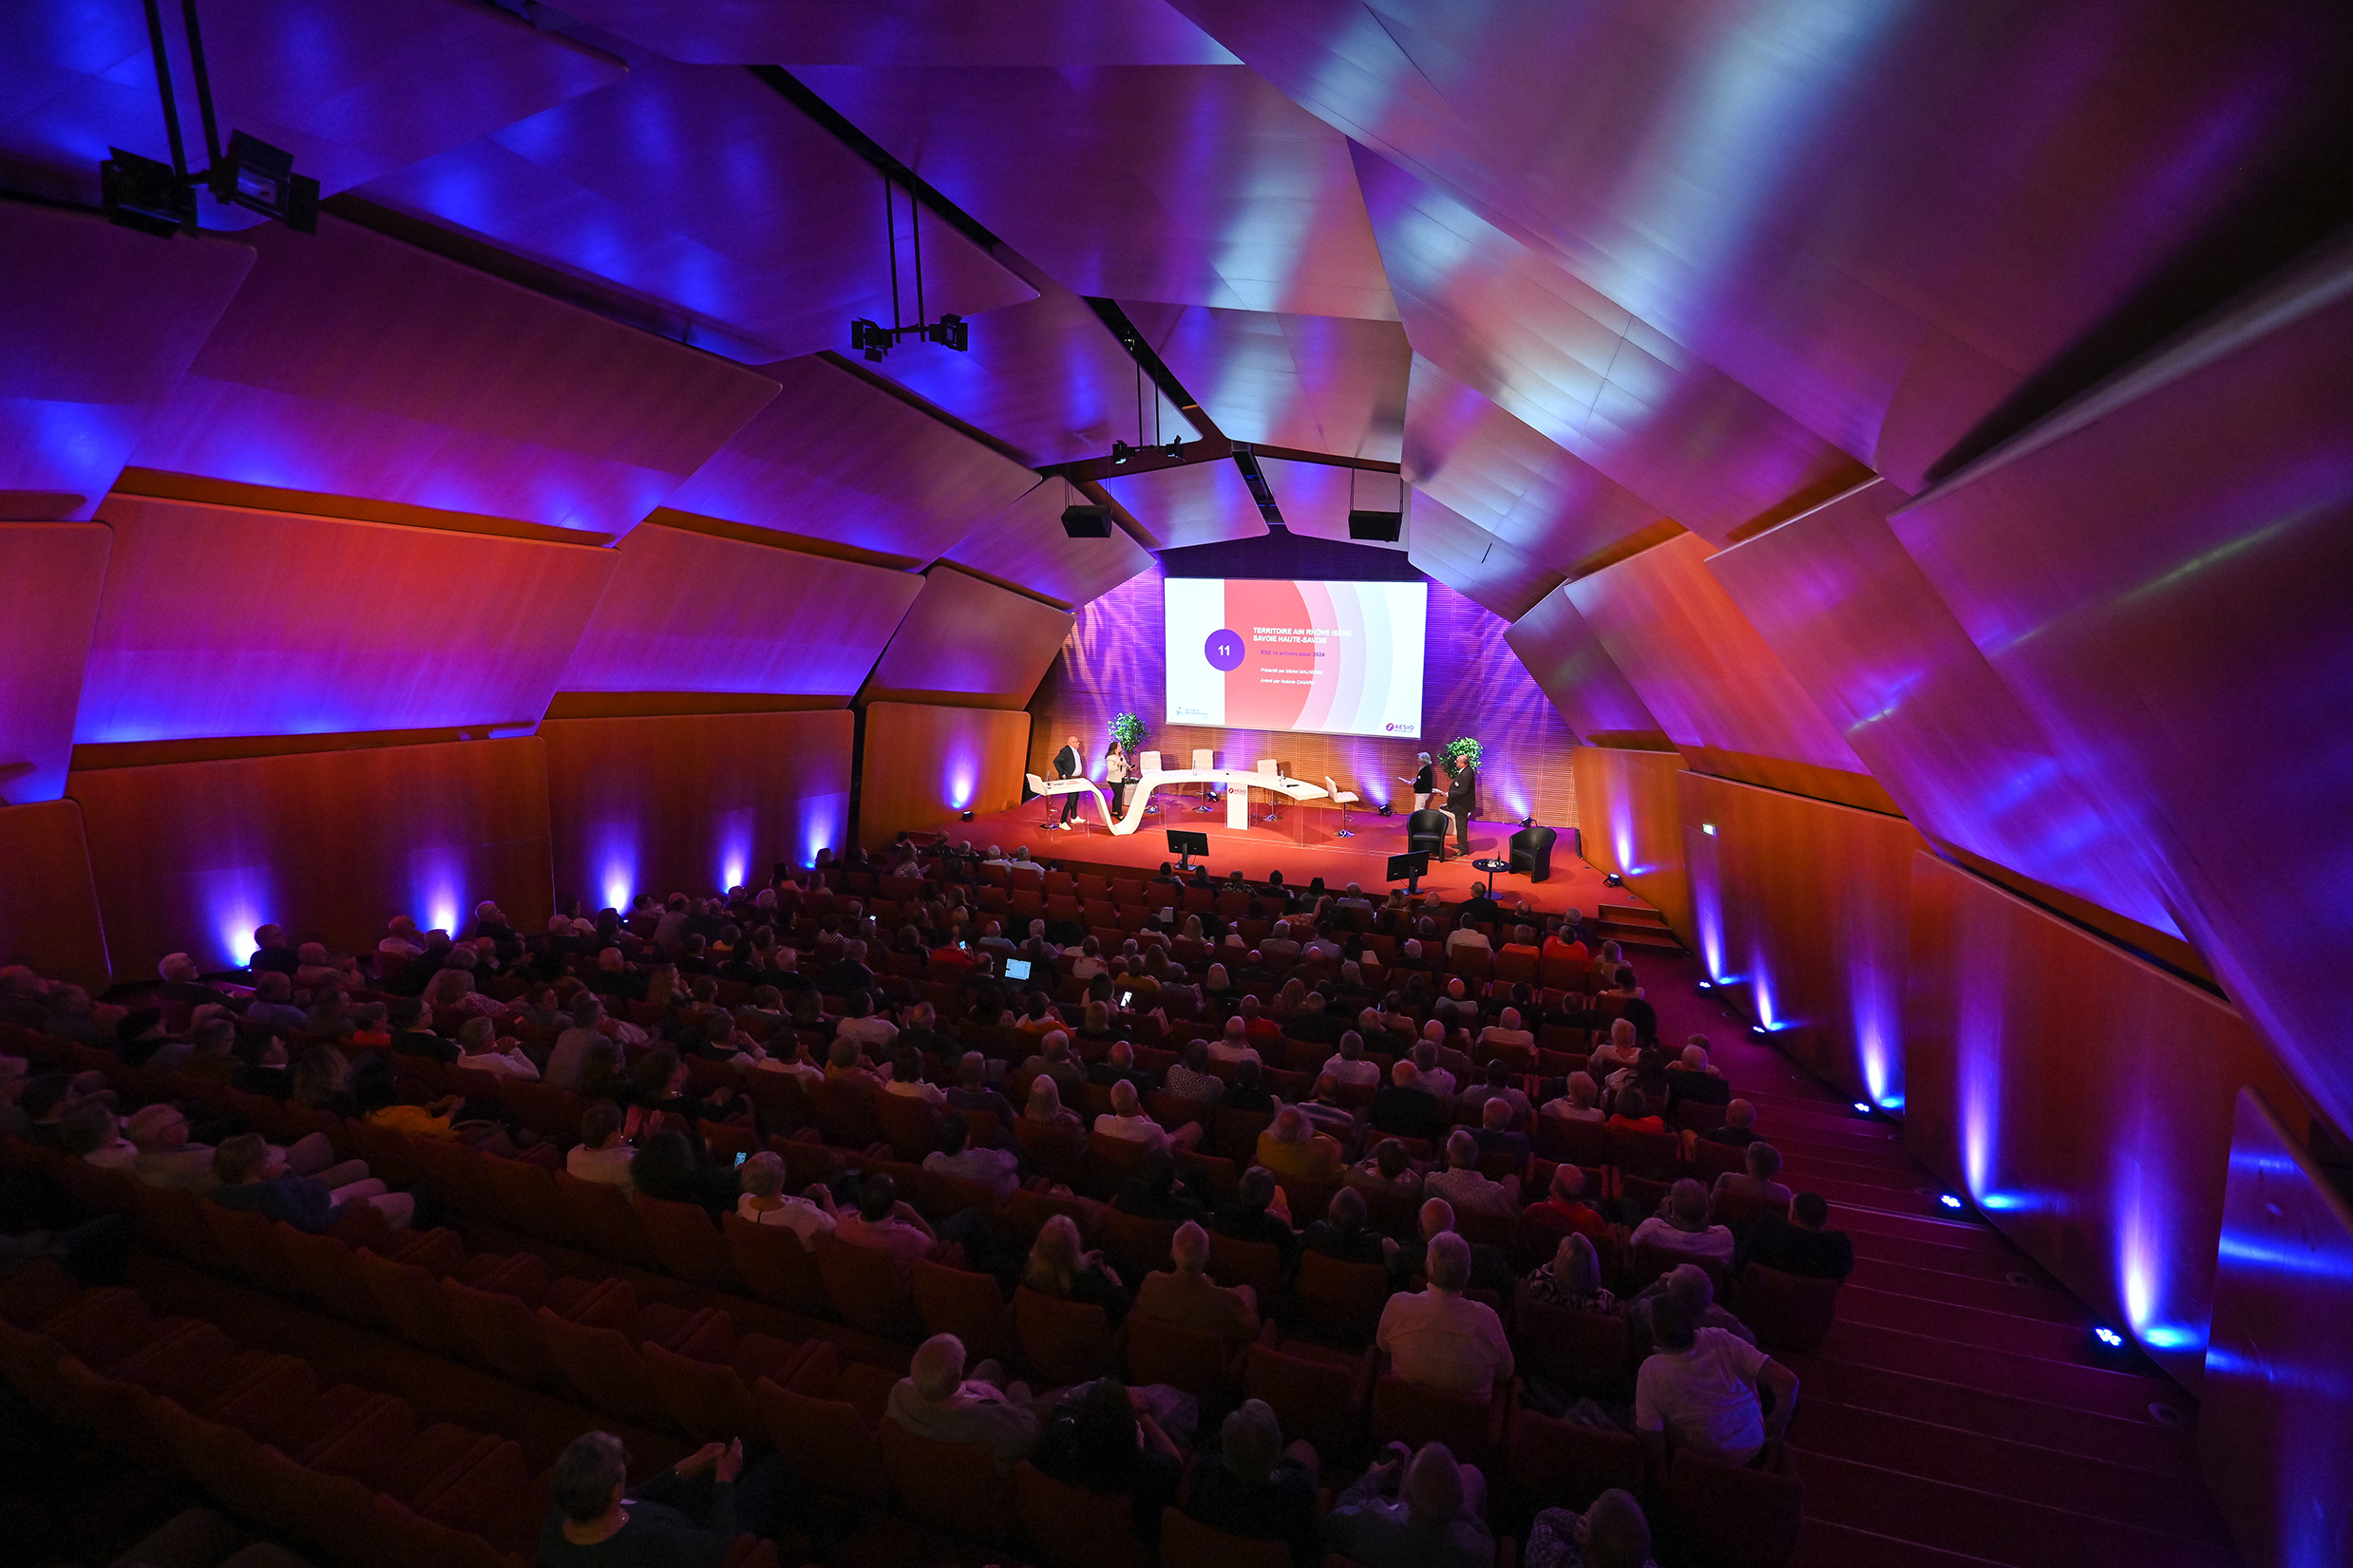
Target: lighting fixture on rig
(873, 339)
(160, 198)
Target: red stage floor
(1303, 846)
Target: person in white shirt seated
(1350, 1065)
(1089, 960)
(999, 1170)
(860, 1025)
(1465, 936)
(402, 939)
(1683, 1226)
(478, 1039)
(935, 1400)
(1021, 861)
(1622, 1050)
(1440, 1338)
(1126, 1120)
(795, 1061)
(1234, 1043)
(906, 1080)
(1507, 1034)
(602, 1154)
(1699, 1388)
(1463, 1184)
(765, 1202)
(1577, 1104)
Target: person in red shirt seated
(1564, 1209)
(1632, 1113)
(1555, 947)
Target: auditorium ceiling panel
(223, 621)
(768, 238)
(1316, 498)
(1883, 221)
(352, 365)
(1444, 544)
(1577, 674)
(1197, 504)
(1187, 184)
(838, 460)
(1855, 621)
(968, 644)
(2160, 575)
(1700, 668)
(99, 325)
(52, 574)
(1047, 378)
(353, 89)
(913, 33)
(1024, 544)
(693, 611)
(1548, 504)
(1318, 384)
(1507, 320)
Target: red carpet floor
(1303, 846)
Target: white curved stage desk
(1239, 782)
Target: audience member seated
(1495, 1087)
(1257, 1214)
(271, 1005)
(937, 1401)
(602, 1154)
(253, 1177)
(1577, 1103)
(1327, 1113)
(1563, 1207)
(1404, 1108)
(1061, 1267)
(1107, 1440)
(1622, 1048)
(1350, 1067)
(1045, 1112)
(1187, 1296)
(1191, 1079)
(1126, 1121)
(1053, 1060)
(569, 1055)
(1689, 1284)
(1611, 1534)
(1739, 1128)
(1799, 1244)
(972, 1093)
(1465, 1186)
(1764, 1164)
(1440, 1338)
(1683, 1226)
(999, 1170)
(1494, 1134)
(1692, 1082)
(667, 1167)
(1572, 1280)
(1344, 1233)
(1699, 1389)
(481, 1049)
(887, 1225)
(1633, 1113)
(766, 1202)
(1388, 1168)
(1255, 1488)
(1118, 1064)
(1154, 1192)
(1294, 1150)
(688, 1516)
(1247, 1092)
(1414, 1510)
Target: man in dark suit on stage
(1066, 764)
(1462, 799)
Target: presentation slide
(1338, 658)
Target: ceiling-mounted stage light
(1174, 451)
(140, 193)
(261, 178)
(1121, 452)
(875, 340)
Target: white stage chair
(1203, 762)
(1344, 800)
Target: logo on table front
(1224, 649)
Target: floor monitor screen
(1335, 658)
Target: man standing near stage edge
(1066, 766)
(1462, 798)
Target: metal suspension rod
(915, 222)
(164, 88)
(890, 233)
(203, 84)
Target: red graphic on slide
(1272, 687)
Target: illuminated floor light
(1862, 1107)
(2108, 1338)
(1951, 1201)
(1708, 828)
(1707, 985)
(1758, 1030)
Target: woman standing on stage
(1424, 781)
(1115, 774)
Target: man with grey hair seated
(1463, 1184)
(1611, 1534)
(935, 1400)
(1682, 1226)
(1757, 1183)
(1688, 1284)
(1187, 1296)
(1255, 1488)
(1440, 1338)
(568, 1057)
(1414, 1510)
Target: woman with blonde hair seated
(1061, 1267)
(1045, 1108)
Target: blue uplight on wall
(238, 899)
(616, 860)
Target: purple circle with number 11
(1224, 649)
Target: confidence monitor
(1334, 658)
(1185, 846)
(1410, 869)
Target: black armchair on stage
(1531, 853)
(1426, 830)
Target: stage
(1304, 844)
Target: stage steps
(1635, 926)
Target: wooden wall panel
(1630, 815)
(968, 644)
(694, 612)
(1576, 674)
(1803, 909)
(1023, 543)
(191, 857)
(922, 764)
(353, 365)
(220, 620)
(2083, 1097)
(48, 905)
(693, 803)
(2275, 1420)
(51, 577)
